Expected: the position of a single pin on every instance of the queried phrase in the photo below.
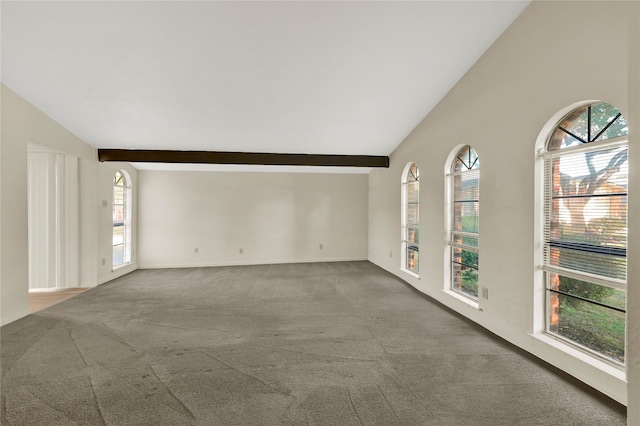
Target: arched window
(121, 218)
(411, 218)
(584, 235)
(464, 239)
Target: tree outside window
(586, 173)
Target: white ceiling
(285, 77)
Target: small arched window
(464, 238)
(121, 218)
(411, 219)
(584, 231)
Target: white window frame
(405, 221)
(126, 222)
(450, 243)
(540, 324)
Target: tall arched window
(411, 218)
(463, 228)
(121, 218)
(584, 239)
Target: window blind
(585, 211)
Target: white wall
(273, 217)
(24, 124)
(554, 55)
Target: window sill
(413, 274)
(121, 266)
(471, 303)
(616, 371)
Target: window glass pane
(618, 128)
(464, 277)
(599, 264)
(468, 240)
(118, 179)
(561, 139)
(118, 195)
(118, 235)
(604, 231)
(413, 214)
(121, 245)
(596, 327)
(466, 217)
(413, 235)
(118, 254)
(584, 173)
(412, 258)
(118, 214)
(576, 123)
(588, 215)
(573, 129)
(465, 186)
(586, 230)
(606, 295)
(466, 257)
(464, 268)
(466, 159)
(413, 192)
(601, 115)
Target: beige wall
(23, 124)
(14, 251)
(633, 295)
(554, 55)
(273, 217)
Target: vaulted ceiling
(284, 77)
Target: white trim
(539, 320)
(615, 370)
(404, 213)
(413, 274)
(450, 175)
(15, 317)
(463, 246)
(585, 276)
(620, 141)
(461, 297)
(53, 290)
(249, 262)
(462, 172)
(119, 273)
(467, 234)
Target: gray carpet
(319, 344)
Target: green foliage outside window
(596, 327)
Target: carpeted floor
(327, 344)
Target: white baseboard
(12, 318)
(118, 273)
(248, 262)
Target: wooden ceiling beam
(250, 158)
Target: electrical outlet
(390, 253)
(485, 293)
(196, 250)
(320, 246)
(105, 203)
(103, 262)
(241, 251)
